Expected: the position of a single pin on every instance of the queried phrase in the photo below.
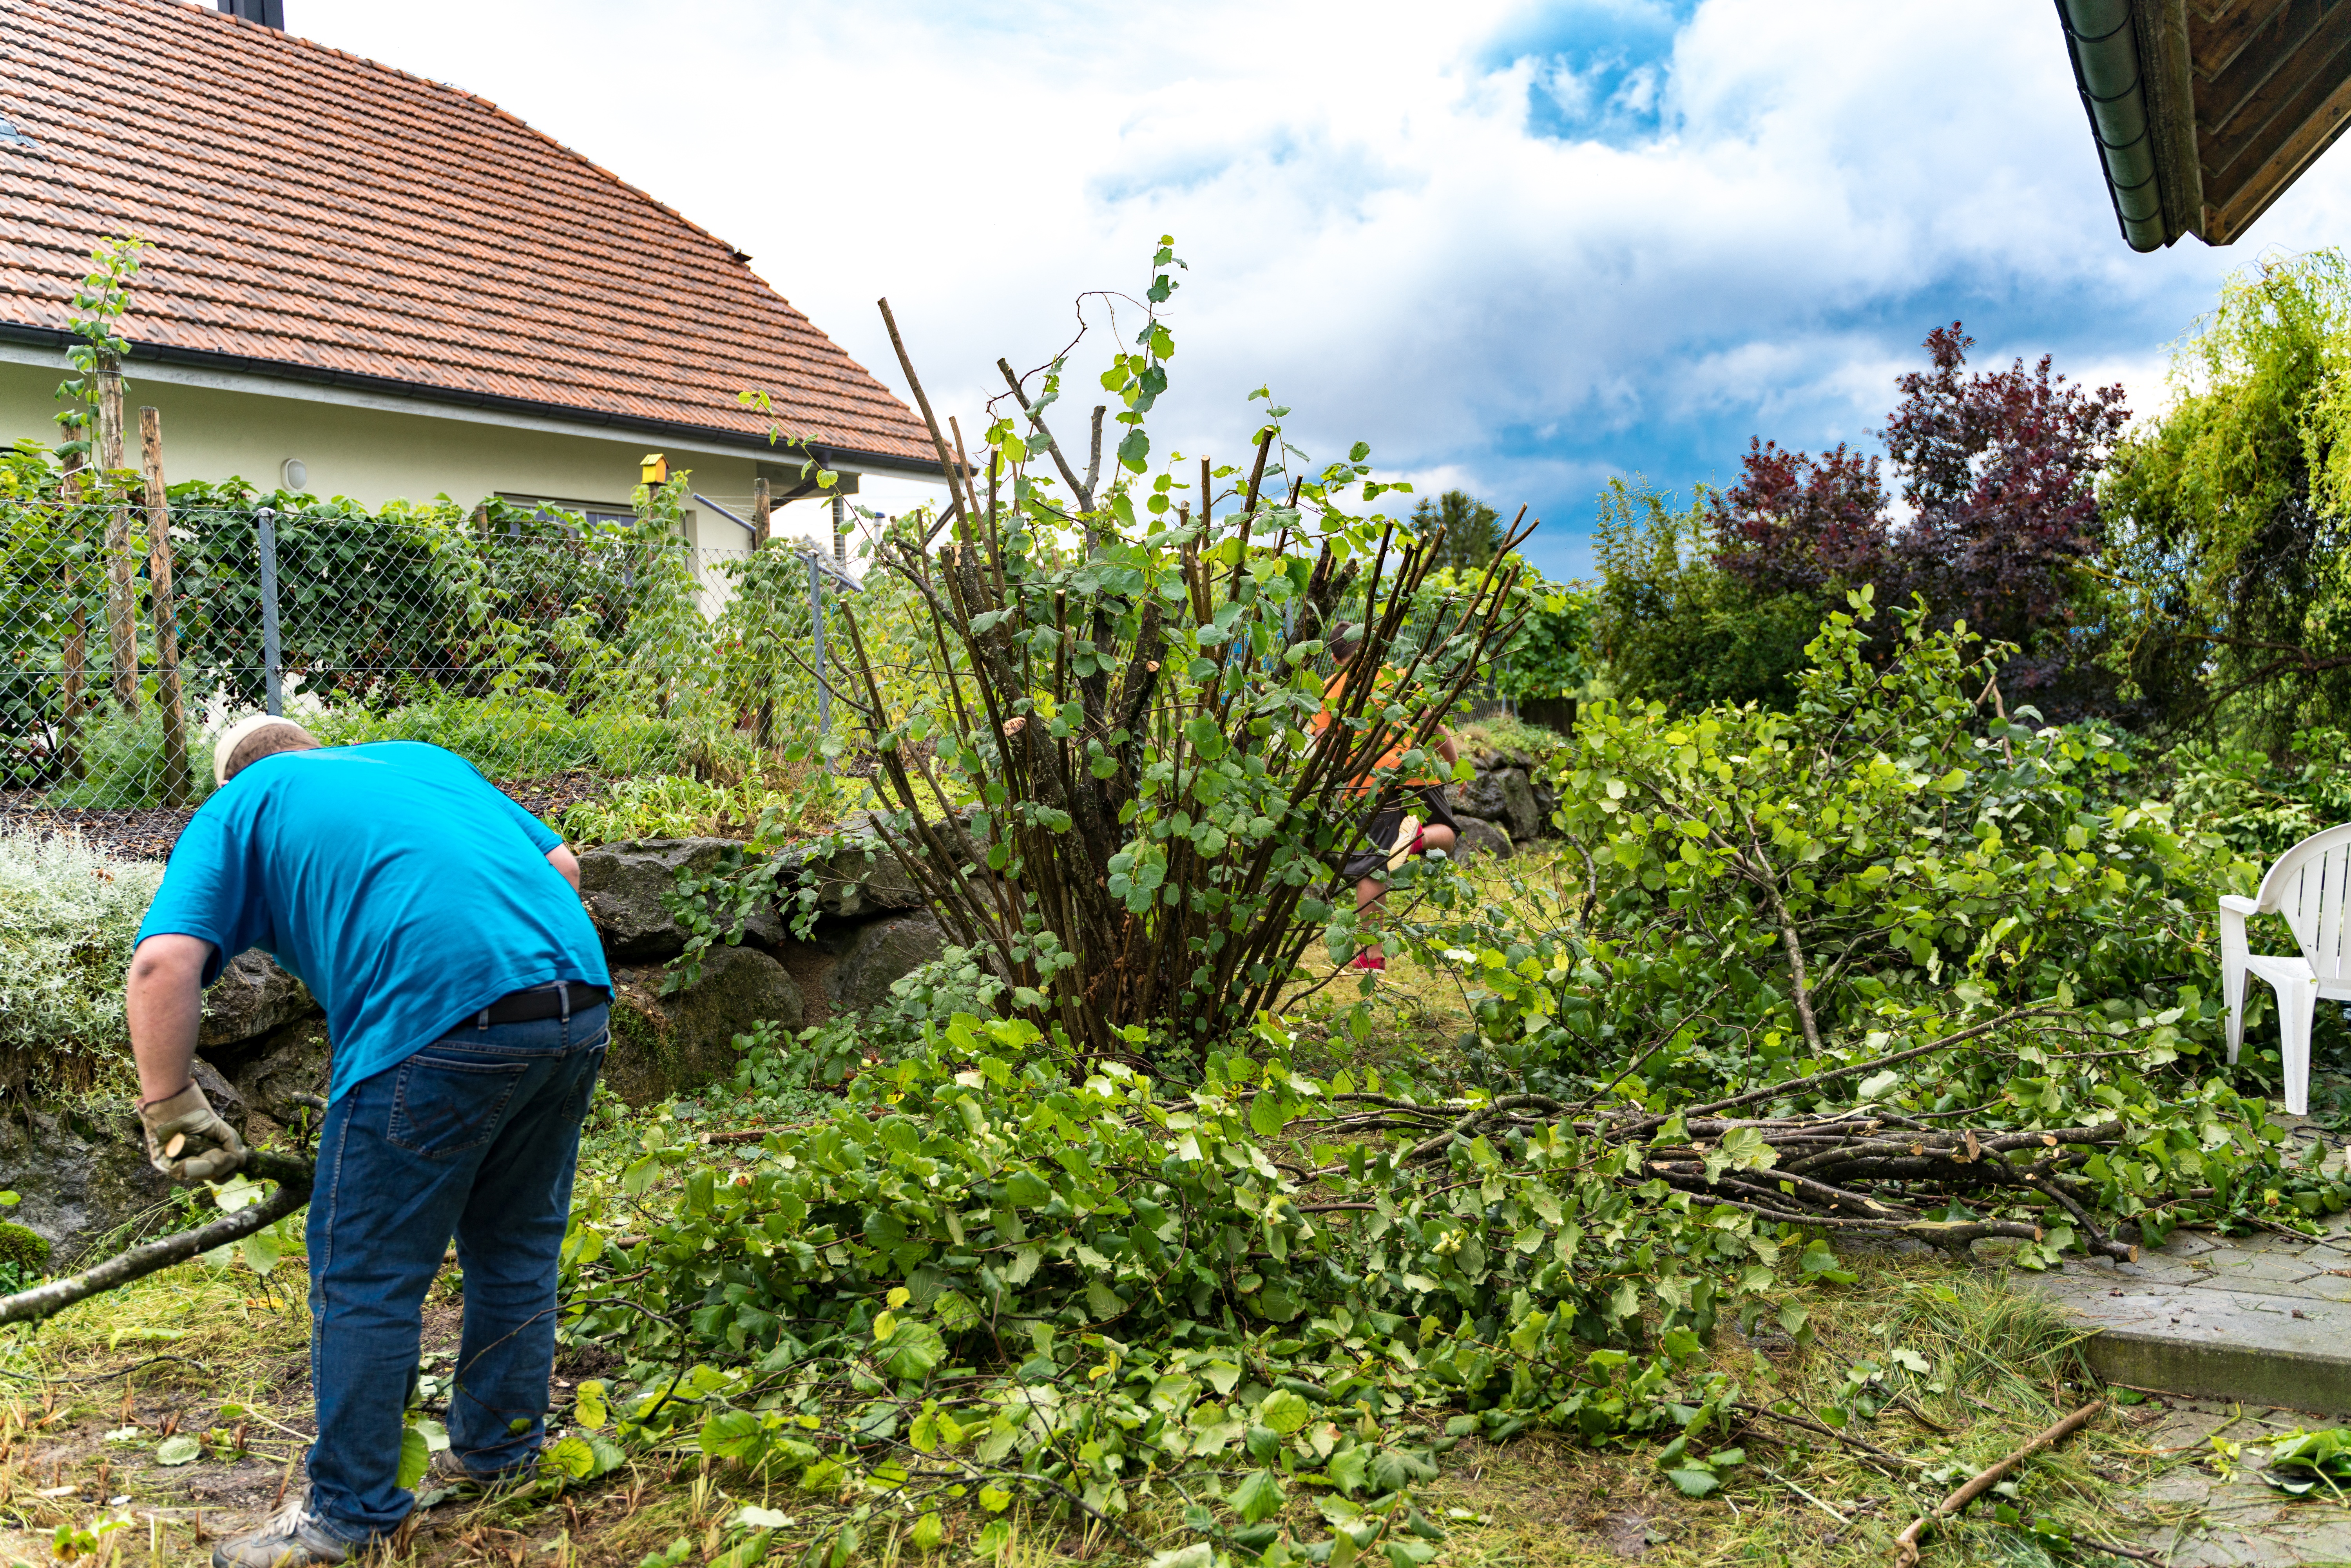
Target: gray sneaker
(293, 1537)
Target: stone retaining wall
(265, 1035)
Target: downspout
(2105, 49)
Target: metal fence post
(275, 701)
(816, 616)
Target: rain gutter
(2102, 38)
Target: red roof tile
(316, 210)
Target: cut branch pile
(1868, 1168)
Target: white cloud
(1749, 229)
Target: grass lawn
(223, 1356)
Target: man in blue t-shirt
(440, 926)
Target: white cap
(234, 736)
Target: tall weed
(123, 764)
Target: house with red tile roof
(368, 284)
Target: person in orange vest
(1415, 825)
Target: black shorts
(1425, 801)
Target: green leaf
(994, 1498)
(1199, 1555)
(1694, 1482)
(587, 1407)
(747, 1552)
(913, 1349)
(1347, 1467)
(1821, 1263)
(1267, 1115)
(733, 1435)
(261, 1250)
(416, 1457)
(1025, 1189)
(1393, 1470)
(1259, 1496)
(182, 1449)
(573, 1457)
(1746, 1149)
(1284, 1411)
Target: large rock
(81, 1176)
(876, 955)
(860, 880)
(226, 1098)
(268, 1074)
(1503, 795)
(666, 1045)
(252, 997)
(1491, 758)
(1480, 836)
(1546, 801)
(622, 885)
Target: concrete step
(2265, 1319)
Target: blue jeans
(477, 1135)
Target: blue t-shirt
(391, 879)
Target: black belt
(560, 999)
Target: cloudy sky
(1516, 247)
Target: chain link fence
(531, 641)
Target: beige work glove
(186, 1139)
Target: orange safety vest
(1334, 690)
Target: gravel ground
(148, 834)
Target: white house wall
(358, 446)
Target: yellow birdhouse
(656, 470)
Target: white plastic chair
(2308, 887)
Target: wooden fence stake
(178, 788)
(121, 572)
(77, 640)
(763, 534)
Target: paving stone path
(2207, 1520)
(2248, 1336)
